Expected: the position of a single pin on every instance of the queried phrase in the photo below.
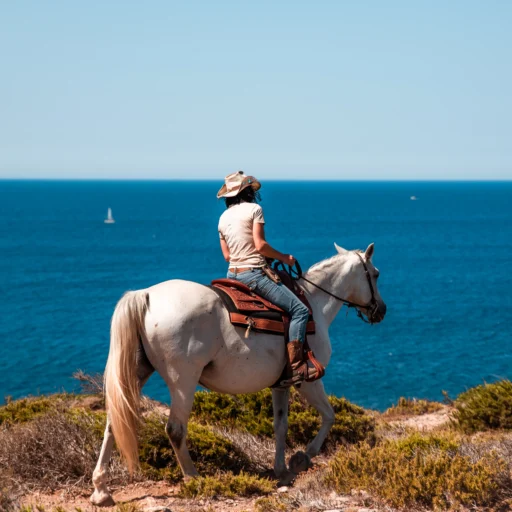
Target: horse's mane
(321, 265)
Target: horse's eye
(377, 274)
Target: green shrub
(417, 442)
(420, 471)
(208, 450)
(128, 507)
(412, 406)
(92, 421)
(270, 504)
(26, 409)
(26, 508)
(253, 413)
(226, 484)
(484, 407)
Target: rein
(371, 307)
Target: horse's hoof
(102, 499)
(286, 479)
(299, 462)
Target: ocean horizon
(444, 260)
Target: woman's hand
(289, 260)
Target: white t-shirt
(235, 227)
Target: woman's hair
(247, 195)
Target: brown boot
(298, 368)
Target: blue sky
(327, 90)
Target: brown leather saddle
(247, 309)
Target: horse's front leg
(315, 395)
(280, 405)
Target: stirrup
(302, 374)
(319, 367)
(296, 381)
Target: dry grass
(260, 451)
(52, 451)
(412, 407)
(8, 500)
(311, 492)
(90, 384)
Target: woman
(243, 244)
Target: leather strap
(320, 369)
(240, 270)
(246, 301)
(232, 283)
(262, 324)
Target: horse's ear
(369, 252)
(340, 249)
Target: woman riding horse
(243, 244)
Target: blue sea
(444, 259)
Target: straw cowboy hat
(235, 183)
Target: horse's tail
(122, 388)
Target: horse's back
(188, 328)
(178, 302)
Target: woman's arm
(225, 249)
(265, 249)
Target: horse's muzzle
(378, 313)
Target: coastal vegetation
(51, 443)
(412, 406)
(434, 471)
(253, 414)
(485, 407)
(228, 485)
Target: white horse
(182, 330)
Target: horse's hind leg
(101, 496)
(182, 390)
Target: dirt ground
(426, 422)
(162, 497)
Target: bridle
(370, 308)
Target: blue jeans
(281, 296)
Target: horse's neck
(332, 276)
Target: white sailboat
(109, 219)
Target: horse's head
(363, 285)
